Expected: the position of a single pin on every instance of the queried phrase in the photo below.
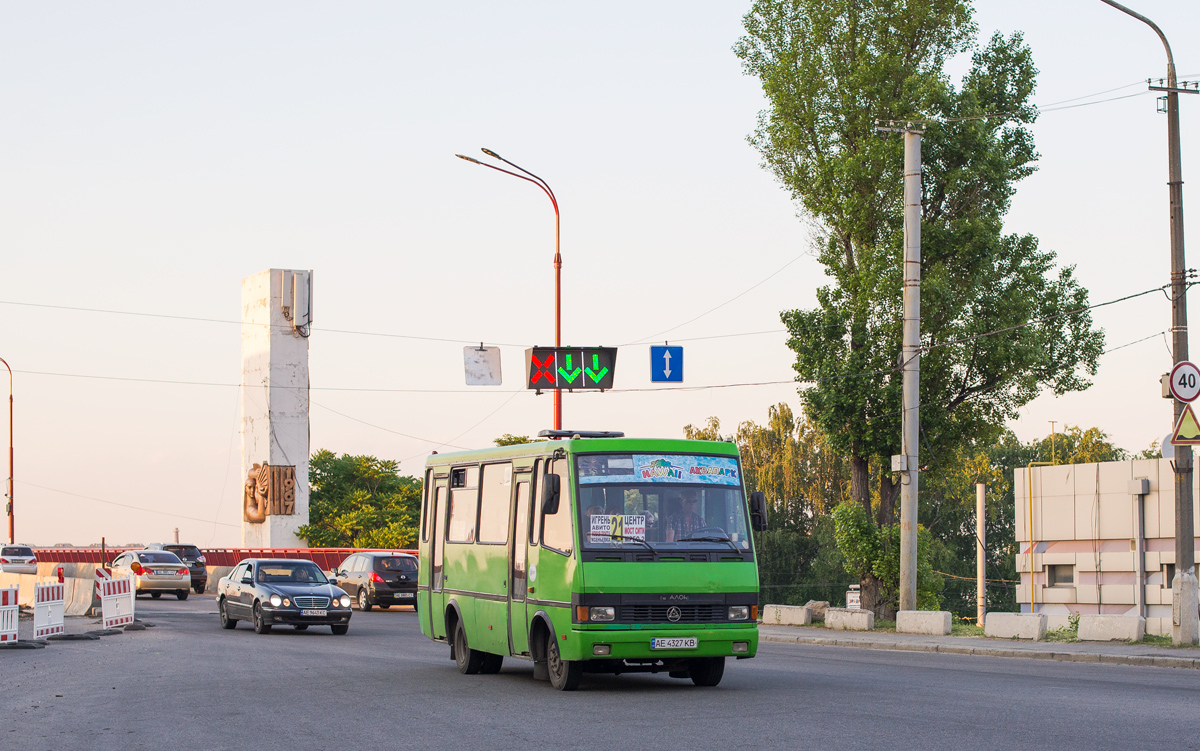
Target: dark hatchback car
(290, 592)
(382, 579)
(194, 559)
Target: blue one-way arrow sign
(666, 364)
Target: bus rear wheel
(468, 660)
(707, 671)
(564, 674)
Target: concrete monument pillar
(276, 320)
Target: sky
(155, 154)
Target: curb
(1106, 659)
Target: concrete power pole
(1185, 618)
(907, 461)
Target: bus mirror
(551, 489)
(758, 511)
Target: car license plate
(677, 642)
(313, 612)
(405, 594)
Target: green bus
(590, 552)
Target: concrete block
(786, 615)
(1015, 625)
(849, 619)
(1111, 627)
(933, 622)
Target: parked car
(382, 579)
(293, 592)
(156, 571)
(192, 557)
(17, 559)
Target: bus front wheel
(564, 674)
(468, 660)
(707, 671)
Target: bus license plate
(313, 612)
(678, 642)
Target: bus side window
(556, 528)
(464, 504)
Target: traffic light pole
(557, 256)
(1185, 628)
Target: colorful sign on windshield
(672, 468)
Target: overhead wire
(124, 505)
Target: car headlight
(276, 600)
(287, 603)
(739, 613)
(345, 601)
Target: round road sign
(1185, 381)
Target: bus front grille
(660, 614)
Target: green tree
(508, 439)
(872, 553)
(360, 502)
(830, 69)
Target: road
(189, 684)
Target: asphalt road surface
(188, 684)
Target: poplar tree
(1000, 321)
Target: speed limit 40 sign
(1185, 381)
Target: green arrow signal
(596, 373)
(569, 374)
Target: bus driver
(685, 521)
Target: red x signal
(539, 369)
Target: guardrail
(326, 558)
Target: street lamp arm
(545, 185)
(1170, 58)
(538, 182)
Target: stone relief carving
(269, 490)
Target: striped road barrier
(48, 603)
(8, 614)
(116, 600)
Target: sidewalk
(1111, 653)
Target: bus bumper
(627, 644)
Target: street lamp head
(492, 154)
(469, 159)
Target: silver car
(156, 571)
(17, 559)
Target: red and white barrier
(48, 602)
(116, 600)
(8, 614)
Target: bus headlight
(739, 613)
(602, 614)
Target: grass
(962, 628)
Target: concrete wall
(1084, 516)
(274, 400)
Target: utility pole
(1185, 621)
(910, 364)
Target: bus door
(437, 600)
(518, 619)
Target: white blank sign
(482, 365)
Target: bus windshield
(673, 502)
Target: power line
(380, 427)
(126, 505)
(744, 292)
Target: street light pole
(1186, 620)
(557, 256)
(11, 532)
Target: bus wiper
(712, 538)
(639, 540)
